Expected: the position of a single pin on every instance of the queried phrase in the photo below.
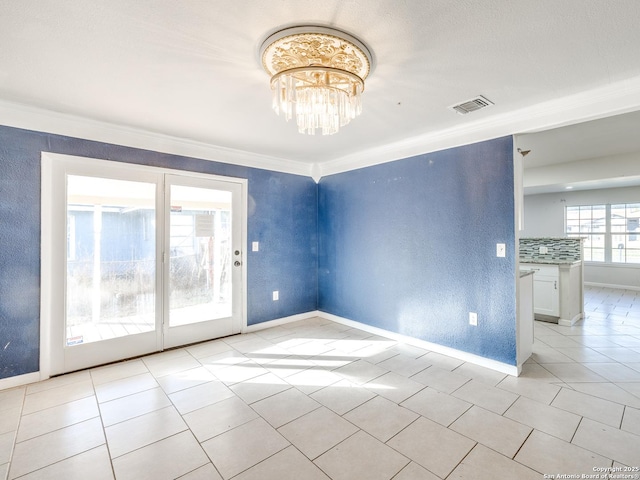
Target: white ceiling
(189, 69)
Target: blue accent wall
(410, 246)
(282, 217)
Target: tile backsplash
(560, 249)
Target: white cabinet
(557, 292)
(546, 294)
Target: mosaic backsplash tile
(553, 249)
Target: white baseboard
(433, 347)
(19, 380)
(281, 321)
(617, 287)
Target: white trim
(434, 347)
(281, 321)
(19, 380)
(32, 118)
(613, 99)
(610, 285)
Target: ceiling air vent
(472, 105)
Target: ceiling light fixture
(317, 74)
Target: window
(611, 232)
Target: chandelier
(317, 75)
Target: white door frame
(53, 224)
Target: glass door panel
(203, 259)
(200, 286)
(111, 258)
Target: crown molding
(32, 118)
(614, 99)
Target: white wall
(544, 217)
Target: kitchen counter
(544, 261)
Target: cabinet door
(545, 295)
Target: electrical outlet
(501, 250)
(473, 319)
(276, 295)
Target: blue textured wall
(410, 246)
(282, 216)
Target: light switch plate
(255, 246)
(501, 250)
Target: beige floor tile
(620, 354)
(239, 373)
(485, 396)
(531, 388)
(608, 391)
(313, 379)
(169, 366)
(614, 372)
(258, 388)
(205, 472)
(118, 371)
(437, 406)
(125, 386)
(55, 418)
(57, 396)
(243, 447)
(631, 420)
(164, 460)
(131, 406)
(485, 464)
(481, 374)
(573, 372)
(585, 354)
(360, 372)
(200, 396)
(405, 365)
(413, 471)
(7, 441)
(317, 431)
(9, 419)
(94, 464)
(208, 349)
(394, 387)
(59, 381)
(547, 419)
(441, 379)
(223, 360)
(433, 446)
(538, 372)
(185, 379)
(4, 470)
(53, 447)
(442, 361)
(288, 464)
(544, 354)
(144, 430)
(381, 418)
(12, 398)
(550, 455)
(343, 396)
(501, 434)
(597, 409)
(361, 457)
(284, 407)
(609, 442)
(212, 420)
(285, 367)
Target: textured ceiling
(190, 68)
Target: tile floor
(318, 400)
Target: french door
(136, 260)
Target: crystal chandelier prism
(317, 75)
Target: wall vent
(472, 105)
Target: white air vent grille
(472, 105)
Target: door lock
(237, 252)
(237, 263)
